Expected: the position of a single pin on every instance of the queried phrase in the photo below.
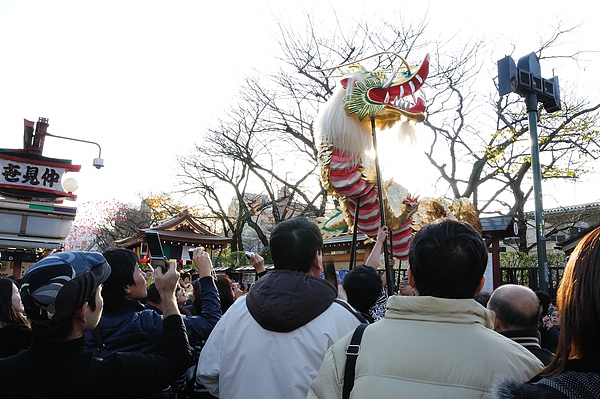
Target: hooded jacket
(270, 342)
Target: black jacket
(14, 338)
(530, 340)
(65, 370)
(580, 380)
(128, 327)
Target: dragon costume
(362, 102)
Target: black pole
(531, 102)
(389, 273)
(392, 266)
(354, 237)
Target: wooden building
(177, 235)
(338, 249)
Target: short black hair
(225, 288)
(122, 262)
(363, 286)
(153, 294)
(483, 298)
(447, 259)
(63, 327)
(294, 244)
(544, 300)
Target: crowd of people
(85, 324)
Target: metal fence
(529, 277)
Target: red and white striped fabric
(349, 182)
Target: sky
(145, 79)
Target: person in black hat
(61, 296)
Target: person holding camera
(125, 326)
(551, 325)
(61, 296)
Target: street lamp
(525, 79)
(34, 142)
(98, 162)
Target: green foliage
(235, 259)
(556, 259)
(517, 259)
(227, 258)
(513, 266)
(521, 259)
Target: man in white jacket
(439, 343)
(270, 342)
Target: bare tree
(265, 142)
(478, 144)
(126, 222)
(497, 158)
(267, 139)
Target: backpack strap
(350, 309)
(351, 356)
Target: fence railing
(528, 276)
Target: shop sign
(39, 176)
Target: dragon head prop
(386, 95)
(383, 96)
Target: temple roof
(180, 230)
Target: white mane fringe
(346, 133)
(407, 133)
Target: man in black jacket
(61, 295)
(516, 309)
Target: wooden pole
(389, 273)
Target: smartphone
(248, 254)
(191, 253)
(157, 258)
(330, 274)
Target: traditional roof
(343, 240)
(180, 230)
(569, 245)
(499, 226)
(564, 209)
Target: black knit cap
(56, 286)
